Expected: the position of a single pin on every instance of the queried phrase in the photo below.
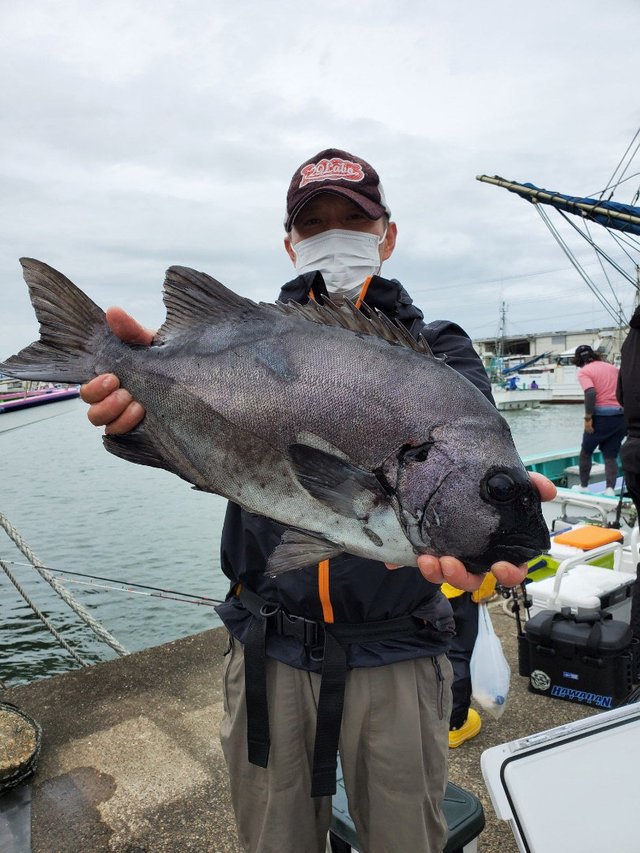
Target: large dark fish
(331, 422)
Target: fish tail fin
(72, 327)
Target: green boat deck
(553, 465)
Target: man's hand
(110, 405)
(449, 569)
(452, 571)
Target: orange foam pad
(588, 537)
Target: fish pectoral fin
(137, 446)
(345, 488)
(298, 549)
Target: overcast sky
(136, 135)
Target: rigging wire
(565, 248)
(623, 239)
(598, 249)
(595, 193)
(610, 184)
(605, 274)
(600, 253)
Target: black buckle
(307, 631)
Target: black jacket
(360, 590)
(629, 377)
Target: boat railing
(584, 501)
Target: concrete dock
(131, 760)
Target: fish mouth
(516, 554)
(510, 552)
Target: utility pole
(501, 330)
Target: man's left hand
(452, 571)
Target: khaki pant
(393, 748)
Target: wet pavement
(131, 760)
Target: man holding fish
(350, 652)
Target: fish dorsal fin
(363, 319)
(194, 298)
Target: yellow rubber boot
(470, 728)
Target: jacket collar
(387, 295)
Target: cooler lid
(549, 627)
(572, 787)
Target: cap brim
(368, 207)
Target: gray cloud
(135, 136)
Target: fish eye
(501, 488)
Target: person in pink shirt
(603, 416)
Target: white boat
(560, 374)
(553, 375)
(512, 771)
(521, 381)
(508, 399)
(510, 390)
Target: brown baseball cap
(336, 171)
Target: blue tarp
(610, 214)
(507, 370)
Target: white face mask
(345, 258)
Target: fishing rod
(125, 586)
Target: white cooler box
(572, 789)
(586, 588)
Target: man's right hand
(110, 405)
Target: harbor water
(82, 510)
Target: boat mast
(586, 207)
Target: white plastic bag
(490, 672)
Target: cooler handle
(614, 548)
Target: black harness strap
(332, 684)
(332, 639)
(255, 681)
(330, 704)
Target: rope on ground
(41, 615)
(77, 608)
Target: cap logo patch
(331, 170)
